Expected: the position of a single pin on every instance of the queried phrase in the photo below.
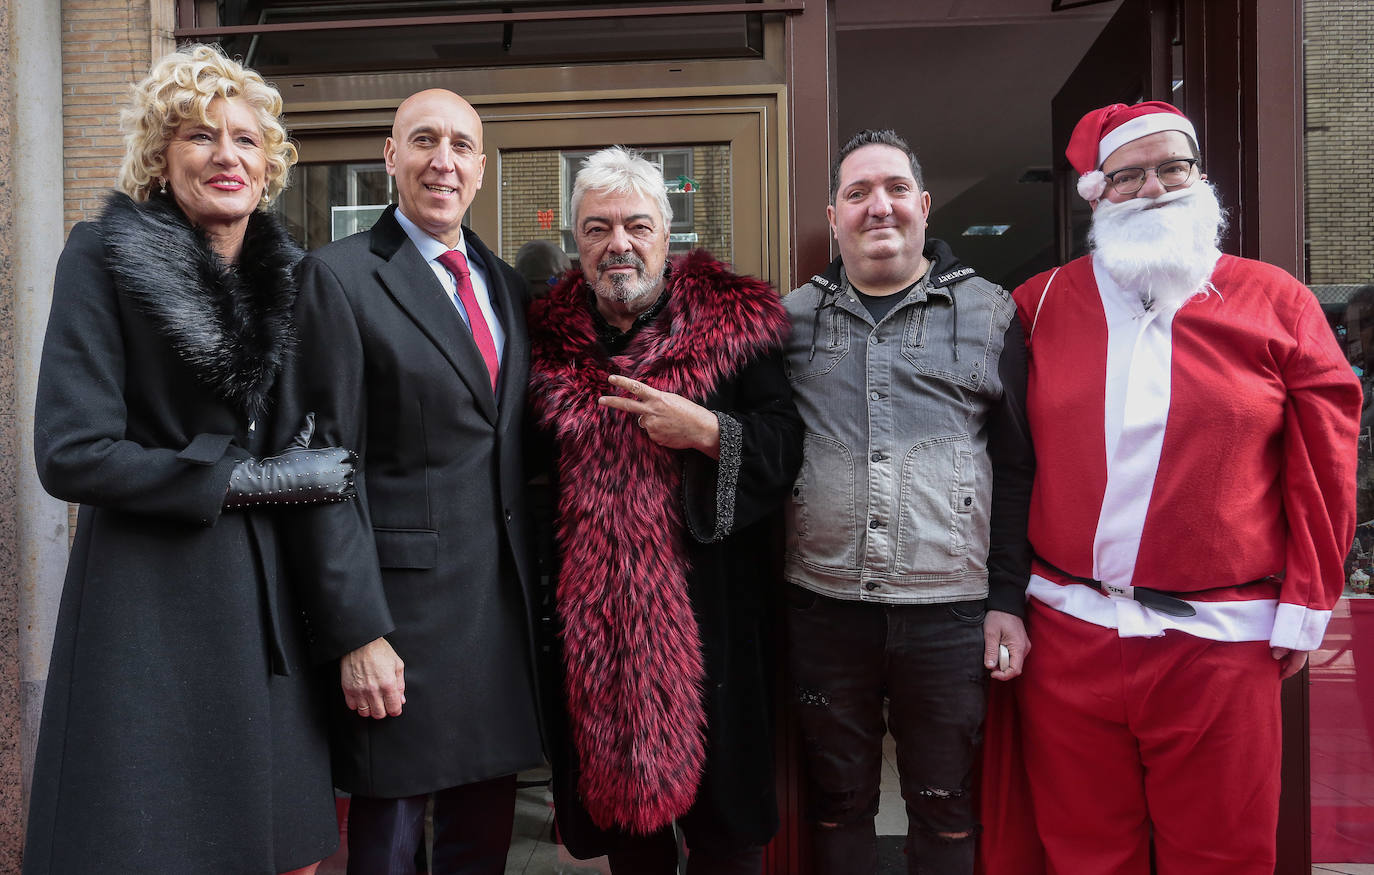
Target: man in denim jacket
(906, 543)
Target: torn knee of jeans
(950, 838)
(808, 696)
(937, 793)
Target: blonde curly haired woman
(181, 731)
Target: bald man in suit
(413, 352)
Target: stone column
(33, 526)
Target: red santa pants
(1175, 739)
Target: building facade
(741, 104)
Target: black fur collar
(231, 325)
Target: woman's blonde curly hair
(180, 88)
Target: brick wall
(711, 205)
(1339, 72)
(106, 47)
(529, 184)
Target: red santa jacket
(1207, 452)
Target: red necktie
(457, 265)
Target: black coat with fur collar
(179, 729)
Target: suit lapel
(416, 290)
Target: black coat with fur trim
(665, 562)
(180, 729)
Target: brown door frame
(810, 78)
(1243, 81)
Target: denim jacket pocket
(930, 344)
(935, 521)
(821, 512)
(831, 345)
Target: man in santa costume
(1194, 425)
(658, 390)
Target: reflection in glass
(1339, 126)
(536, 192)
(329, 201)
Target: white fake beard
(620, 289)
(1160, 249)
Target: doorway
(720, 158)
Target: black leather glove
(297, 475)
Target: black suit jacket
(434, 554)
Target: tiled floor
(533, 851)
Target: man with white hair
(1194, 426)
(671, 439)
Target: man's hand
(669, 420)
(1001, 628)
(1290, 661)
(373, 679)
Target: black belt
(1150, 598)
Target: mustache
(622, 260)
(1140, 204)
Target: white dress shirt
(430, 250)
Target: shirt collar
(430, 249)
(613, 338)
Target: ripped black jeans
(927, 661)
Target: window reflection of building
(330, 201)
(1358, 336)
(1339, 249)
(536, 193)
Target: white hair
(618, 170)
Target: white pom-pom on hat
(1092, 185)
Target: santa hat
(1103, 131)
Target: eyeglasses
(1171, 174)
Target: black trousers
(472, 830)
(927, 661)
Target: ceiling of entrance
(969, 84)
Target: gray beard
(620, 289)
(1165, 254)
(625, 290)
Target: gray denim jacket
(917, 460)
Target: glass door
(716, 161)
(719, 161)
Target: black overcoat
(434, 555)
(171, 739)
